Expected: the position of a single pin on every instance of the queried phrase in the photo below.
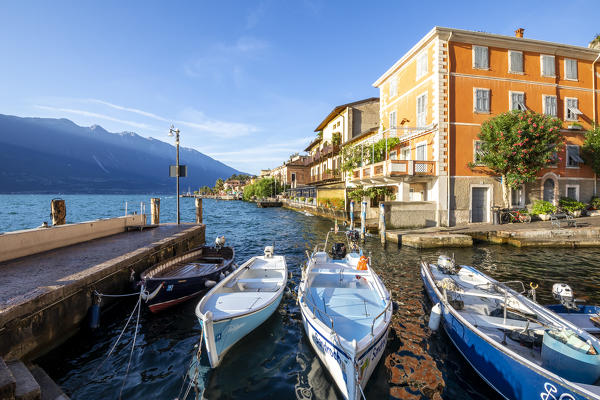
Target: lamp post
(175, 132)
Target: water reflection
(276, 360)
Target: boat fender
(435, 317)
(94, 316)
(362, 263)
(208, 283)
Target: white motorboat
(241, 302)
(346, 312)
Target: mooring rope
(119, 338)
(137, 324)
(116, 295)
(193, 380)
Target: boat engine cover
(338, 251)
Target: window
(553, 160)
(393, 87)
(293, 177)
(515, 62)
(422, 110)
(393, 155)
(573, 158)
(517, 198)
(573, 192)
(570, 69)
(405, 153)
(517, 101)
(393, 120)
(421, 154)
(477, 152)
(571, 110)
(482, 100)
(480, 57)
(549, 105)
(422, 64)
(548, 66)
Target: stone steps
(18, 382)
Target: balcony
(393, 168)
(325, 177)
(322, 154)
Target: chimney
(519, 32)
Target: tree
(219, 185)
(591, 148)
(516, 145)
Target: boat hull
(511, 377)
(227, 332)
(341, 364)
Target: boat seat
(259, 280)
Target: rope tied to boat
(449, 284)
(194, 379)
(149, 296)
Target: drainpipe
(448, 136)
(594, 94)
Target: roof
(461, 35)
(339, 109)
(313, 143)
(362, 135)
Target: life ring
(362, 263)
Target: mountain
(45, 155)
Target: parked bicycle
(511, 216)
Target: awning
(576, 159)
(575, 110)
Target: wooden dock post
(58, 211)
(352, 215)
(382, 222)
(363, 219)
(155, 211)
(198, 210)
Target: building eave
(338, 109)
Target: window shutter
(516, 61)
(548, 66)
(571, 69)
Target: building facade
(343, 124)
(293, 173)
(435, 98)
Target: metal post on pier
(58, 211)
(363, 219)
(155, 211)
(351, 214)
(198, 210)
(382, 222)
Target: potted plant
(576, 126)
(571, 206)
(543, 209)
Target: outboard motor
(220, 242)
(353, 236)
(269, 250)
(447, 265)
(338, 251)
(564, 293)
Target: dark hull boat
(182, 278)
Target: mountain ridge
(41, 155)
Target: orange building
(435, 98)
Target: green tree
(516, 145)
(219, 185)
(591, 148)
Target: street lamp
(175, 132)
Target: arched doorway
(549, 188)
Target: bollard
(58, 211)
(352, 215)
(198, 210)
(382, 222)
(363, 219)
(155, 211)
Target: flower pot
(544, 217)
(576, 213)
(574, 127)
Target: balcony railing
(326, 176)
(325, 152)
(391, 168)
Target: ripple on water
(276, 360)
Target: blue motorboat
(520, 348)
(584, 316)
(346, 312)
(241, 302)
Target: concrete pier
(45, 297)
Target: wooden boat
(189, 275)
(520, 348)
(241, 302)
(346, 312)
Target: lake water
(276, 360)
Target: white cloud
(96, 115)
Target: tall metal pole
(172, 131)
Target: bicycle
(512, 216)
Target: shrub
(570, 205)
(595, 203)
(302, 198)
(543, 207)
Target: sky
(246, 82)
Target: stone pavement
(53, 268)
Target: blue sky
(246, 82)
